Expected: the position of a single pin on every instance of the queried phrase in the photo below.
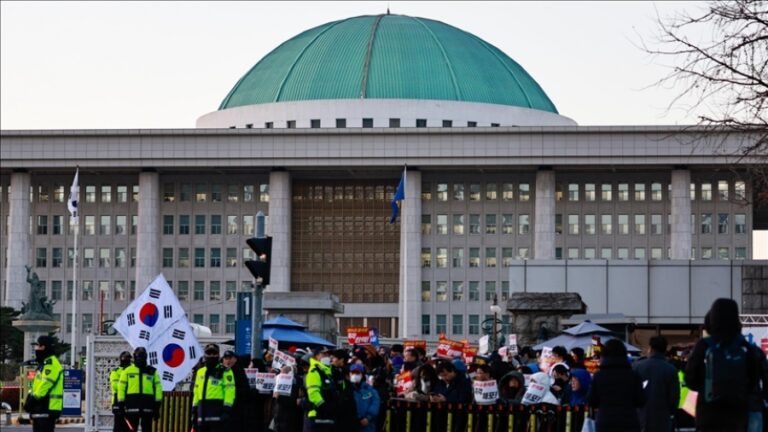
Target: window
(341, 123)
(740, 253)
(490, 224)
(471, 124)
(290, 124)
(639, 191)
(267, 125)
(134, 224)
(458, 324)
(507, 191)
(199, 257)
(442, 224)
(507, 224)
(426, 224)
(558, 253)
(622, 253)
(640, 224)
(105, 227)
(41, 257)
(458, 257)
(426, 291)
(440, 324)
(421, 123)
(522, 253)
(231, 257)
(606, 224)
(623, 192)
(215, 257)
(722, 223)
(426, 191)
(394, 122)
(706, 223)
(706, 191)
(722, 190)
(490, 257)
(474, 291)
(104, 258)
(458, 192)
(215, 224)
(447, 123)
(58, 221)
(589, 253)
(169, 192)
(706, 253)
(57, 257)
(229, 323)
(442, 192)
(605, 253)
(623, 224)
(458, 224)
(216, 193)
(135, 193)
(573, 224)
(122, 193)
(87, 290)
(457, 291)
(183, 224)
(90, 194)
(183, 257)
(490, 191)
(739, 190)
(656, 192)
(441, 291)
(199, 224)
(490, 290)
(507, 255)
(525, 191)
(474, 191)
(573, 253)
(55, 290)
(639, 253)
(425, 325)
(367, 123)
(441, 257)
(573, 192)
(167, 257)
(58, 194)
(199, 291)
(214, 291)
(247, 193)
(87, 323)
(558, 223)
(606, 192)
(656, 224)
(90, 225)
(693, 191)
(589, 224)
(474, 324)
(474, 257)
(524, 226)
(589, 192)
(120, 257)
(120, 224)
(740, 223)
(89, 254)
(42, 224)
(213, 321)
(656, 253)
(201, 194)
(315, 123)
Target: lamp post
(495, 309)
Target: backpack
(726, 374)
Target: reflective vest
(140, 389)
(48, 388)
(683, 389)
(319, 384)
(213, 394)
(114, 382)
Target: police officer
(114, 381)
(214, 393)
(45, 401)
(321, 394)
(140, 393)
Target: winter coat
(457, 391)
(662, 392)
(505, 392)
(368, 402)
(579, 397)
(616, 392)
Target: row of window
(233, 224)
(116, 290)
(341, 123)
(577, 224)
(214, 322)
(60, 193)
(707, 253)
(457, 324)
(457, 292)
(203, 192)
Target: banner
(149, 316)
(403, 383)
(469, 354)
(174, 354)
(265, 382)
(374, 337)
(486, 392)
(283, 384)
(757, 336)
(450, 348)
(358, 336)
(415, 343)
(280, 359)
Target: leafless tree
(719, 57)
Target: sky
(114, 65)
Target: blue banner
(243, 337)
(73, 389)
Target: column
(680, 240)
(410, 256)
(544, 221)
(148, 230)
(280, 230)
(18, 240)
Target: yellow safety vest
(213, 393)
(683, 389)
(48, 386)
(318, 378)
(114, 382)
(140, 390)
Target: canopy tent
(289, 332)
(581, 336)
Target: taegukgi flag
(174, 353)
(74, 194)
(152, 313)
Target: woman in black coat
(616, 391)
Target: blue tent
(287, 331)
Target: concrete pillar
(148, 230)
(280, 230)
(680, 240)
(18, 241)
(410, 256)
(544, 221)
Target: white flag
(74, 194)
(150, 315)
(174, 353)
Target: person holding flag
(214, 394)
(140, 393)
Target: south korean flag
(150, 315)
(174, 354)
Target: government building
(503, 194)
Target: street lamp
(495, 309)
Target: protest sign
(281, 359)
(450, 348)
(358, 335)
(486, 392)
(403, 383)
(265, 382)
(283, 384)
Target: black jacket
(662, 392)
(616, 392)
(457, 391)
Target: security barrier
(175, 412)
(407, 416)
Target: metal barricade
(175, 412)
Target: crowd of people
(327, 389)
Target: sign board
(512, 344)
(450, 348)
(486, 392)
(250, 373)
(534, 393)
(243, 337)
(73, 389)
(414, 343)
(757, 336)
(403, 383)
(280, 359)
(469, 354)
(358, 336)
(272, 344)
(374, 336)
(265, 382)
(483, 342)
(284, 384)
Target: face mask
(356, 378)
(211, 361)
(140, 361)
(40, 355)
(326, 361)
(425, 387)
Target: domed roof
(388, 57)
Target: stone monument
(36, 316)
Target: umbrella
(287, 331)
(581, 336)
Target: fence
(408, 416)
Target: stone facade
(754, 288)
(536, 316)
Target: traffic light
(259, 267)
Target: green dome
(388, 57)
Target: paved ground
(27, 428)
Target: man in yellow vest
(114, 380)
(45, 401)
(321, 394)
(140, 394)
(214, 393)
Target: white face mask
(425, 387)
(326, 361)
(356, 378)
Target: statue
(39, 307)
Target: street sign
(73, 387)
(244, 305)
(243, 337)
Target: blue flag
(399, 196)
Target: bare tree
(725, 73)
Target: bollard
(388, 420)
(449, 420)
(469, 418)
(429, 416)
(408, 419)
(568, 419)
(511, 418)
(490, 418)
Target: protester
(346, 418)
(662, 390)
(411, 359)
(560, 355)
(454, 387)
(366, 399)
(512, 388)
(528, 358)
(286, 414)
(616, 391)
(577, 358)
(533, 396)
(242, 391)
(483, 373)
(140, 393)
(45, 401)
(214, 394)
(580, 383)
(561, 383)
(119, 424)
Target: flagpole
(405, 253)
(72, 205)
